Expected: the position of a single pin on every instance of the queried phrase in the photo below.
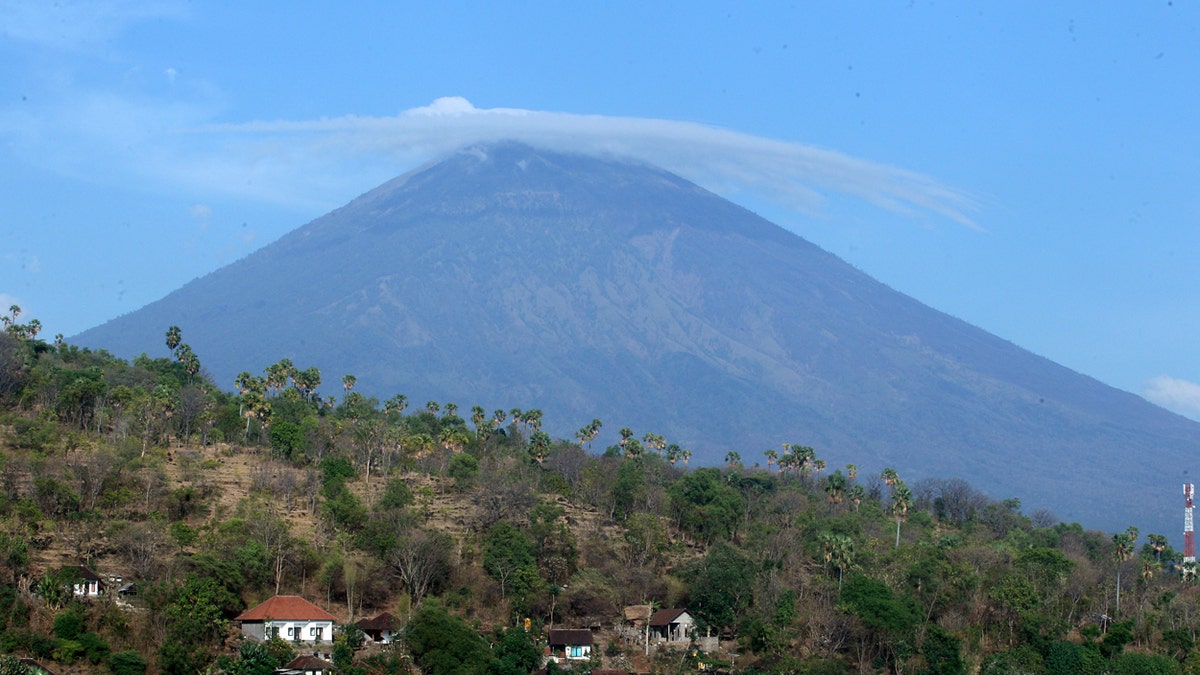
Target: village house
(672, 625)
(570, 644)
(289, 617)
(381, 629)
(85, 583)
(306, 665)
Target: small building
(381, 629)
(572, 644)
(672, 625)
(289, 617)
(306, 665)
(85, 583)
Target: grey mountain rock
(508, 276)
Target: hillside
(211, 503)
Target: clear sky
(1030, 167)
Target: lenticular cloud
(792, 174)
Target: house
(572, 644)
(289, 617)
(672, 625)
(306, 665)
(381, 629)
(85, 583)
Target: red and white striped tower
(1189, 541)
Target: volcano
(593, 287)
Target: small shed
(574, 644)
(672, 625)
(380, 629)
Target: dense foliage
(468, 525)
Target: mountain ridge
(593, 287)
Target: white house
(290, 617)
(84, 582)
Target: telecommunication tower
(1189, 541)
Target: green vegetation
(467, 528)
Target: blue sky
(1029, 167)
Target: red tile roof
(286, 608)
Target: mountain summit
(597, 288)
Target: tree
(835, 487)
(193, 624)
(174, 337)
(506, 554)
(839, 552)
(422, 561)
(443, 643)
(1123, 550)
(253, 658)
(901, 502)
(722, 586)
(891, 619)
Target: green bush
(127, 663)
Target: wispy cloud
(1174, 394)
(795, 175)
(77, 24)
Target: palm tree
(626, 434)
(843, 556)
(396, 404)
(348, 382)
(890, 477)
(1123, 550)
(174, 337)
(857, 494)
(433, 407)
(1158, 542)
(901, 502)
(588, 432)
(733, 458)
(852, 471)
(655, 442)
(1187, 571)
(278, 375)
(772, 457)
(835, 487)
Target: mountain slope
(508, 276)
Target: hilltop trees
(433, 517)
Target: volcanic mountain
(508, 276)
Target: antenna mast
(1189, 541)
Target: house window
(317, 633)
(575, 652)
